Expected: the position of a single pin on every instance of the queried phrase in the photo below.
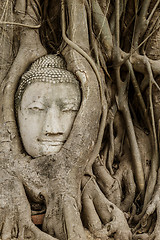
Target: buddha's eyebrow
(70, 100)
(35, 101)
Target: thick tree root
(141, 237)
(62, 218)
(102, 217)
(147, 225)
(111, 186)
(15, 212)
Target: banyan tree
(103, 179)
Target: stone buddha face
(46, 114)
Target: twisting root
(155, 158)
(124, 108)
(103, 99)
(30, 49)
(112, 113)
(20, 25)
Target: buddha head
(46, 102)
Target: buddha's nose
(52, 123)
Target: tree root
(126, 180)
(107, 183)
(104, 219)
(153, 206)
(15, 212)
(30, 49)
(111, 186)
(141, 237)
(102, 26)
(62, 218)
(86, 57)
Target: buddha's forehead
(49, 92)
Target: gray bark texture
(104, 183)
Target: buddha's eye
(71, 107)
(36, 107)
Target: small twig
(153, 10)
(141, 24)
(36, 10)
(39, 6)
(104, 32)
(144, 10)
(138, 93)
(150, 33)
(151, 103)
(20, 24)
(134, 50)
(117, 27)
(45, 7)
(124, 10)
(52, 30)
(5, 7)
(92, 177)
(155, 83)
(129, 25)
(20, 6)
(93, 40)
(103, 24)
(112, 113)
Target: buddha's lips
(51, 142)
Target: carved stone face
(46, 115)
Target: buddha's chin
(51, 149)
(47, 150)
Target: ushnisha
(49, 68)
